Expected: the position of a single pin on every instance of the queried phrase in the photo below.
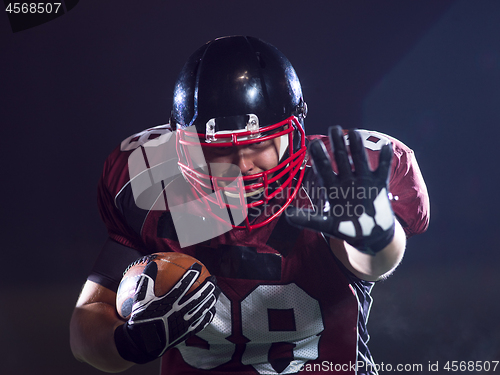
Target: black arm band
(113, 259)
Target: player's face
(250, 159)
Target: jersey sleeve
(411, 200)
(117, 202)
(114, 178)
(126, 175)
(123, 245)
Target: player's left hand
(159, 323)
(358, 209)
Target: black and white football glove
(159, 323)
(358, 209)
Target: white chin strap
(246, 195)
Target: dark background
(426, 72)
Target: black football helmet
(235, 91)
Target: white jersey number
(262, 323)
(371, 140)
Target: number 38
(255, 327)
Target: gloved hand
(358, 209)
(159, 323)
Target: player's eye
(261, 144)
(222, 150)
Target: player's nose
(245, 163)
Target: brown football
(171, 267)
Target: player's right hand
(159, 323)
(363, 219)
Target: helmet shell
(232, 77)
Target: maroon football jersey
(286, 304)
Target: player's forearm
(372, 267)
(92, 337)
(375, 267)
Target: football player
(294, 229)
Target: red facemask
(233, 193)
